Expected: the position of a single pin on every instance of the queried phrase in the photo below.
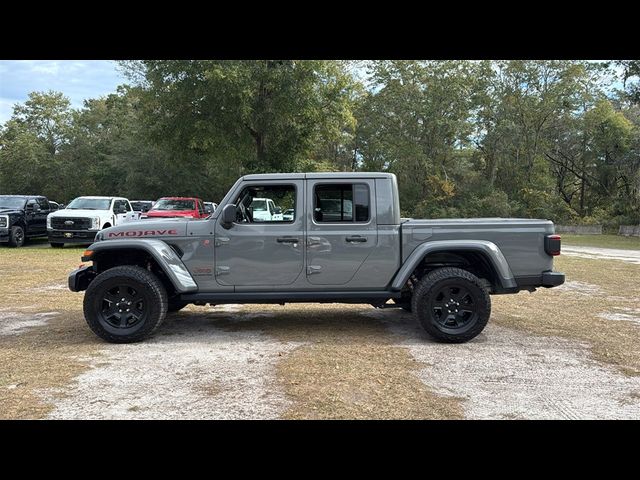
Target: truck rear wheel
(451, 304)
(125, 304)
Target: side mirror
(277, 211)
(228, 216)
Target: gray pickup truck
(344, 241)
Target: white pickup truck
(85, 216)
(265, 210)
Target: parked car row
(23, 217)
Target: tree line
(550, 139)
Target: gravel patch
(507, 374)
(15, 323)
(625, 314)
(192, 369)
(630, 256)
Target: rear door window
(341, 202)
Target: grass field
(602, 241)
(323, 361)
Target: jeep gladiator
(345, 241)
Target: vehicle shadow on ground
(308, 323)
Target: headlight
(96, 223)
(49, 222)
(4, 221)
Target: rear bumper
(80, 278)
(546, 280)
(552, 279)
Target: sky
(77, 79)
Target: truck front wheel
(125, 304)
(16, 236)
(451, 304)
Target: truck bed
(521, 240)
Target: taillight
(552, 244)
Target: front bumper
(80, 278)
(4, 235)
(75, 236)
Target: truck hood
(171, 227)
(10, 211)
(169, 213)
(80, 213)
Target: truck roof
(316, 175)
(23, 196)
(98, 197)
(179, 198)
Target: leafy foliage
(545, 139)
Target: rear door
(341, 231)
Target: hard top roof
(315, 175)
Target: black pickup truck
(23, 217)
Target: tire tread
(137, 274)
(424, 289)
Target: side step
(375, 297)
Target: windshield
(139, 206)
(167, 204)
(259, 205)
(12, 202)
(83, 203)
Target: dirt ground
(569, 352)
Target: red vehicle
(188, 207)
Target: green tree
(31, 142)
(256, 116)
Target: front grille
(78, 223)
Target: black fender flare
(489, 249)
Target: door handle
(356, 239)
(287, 240)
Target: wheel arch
(154, 255)
(481, 257)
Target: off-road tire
(426, 298)
(144, 285)
(56, 245)
(17, 237)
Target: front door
(259, 250)
(122, 212)
(342, 230)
